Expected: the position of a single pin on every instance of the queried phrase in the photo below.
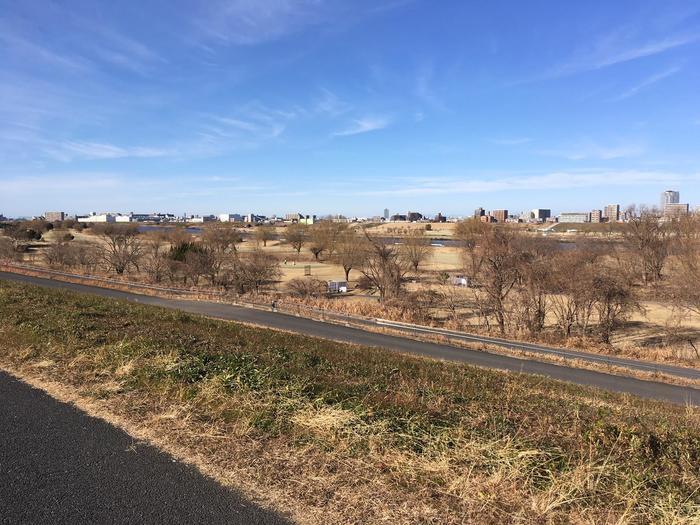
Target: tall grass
(348, 434)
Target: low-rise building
(597, 216)
(54, 216)
(574, 216)
(95, 217)
(673, 211)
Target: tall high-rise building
(612, 212)
(500, 215)
(596, 216)
(670, 197)
(386, 214)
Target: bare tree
(122, 248)
(155, 251)
(685, 281)
(385, 267)
(264, 234)
(254, 270)
(219, 242)
(534, 284)
(648, 239)
(307, 288)
(416, 247)
(614, 302)
(469, 233)
(499, 273)
(351, 250)
(297, 235)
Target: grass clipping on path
(333, 433)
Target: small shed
(460, 280)
(337, 287)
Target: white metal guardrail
(407, 328)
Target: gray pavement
(642, 388)
(58, 465)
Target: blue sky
(346, 106)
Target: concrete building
(670, 197)
(230, 217)
(500, 215)
(414, 216)
(612, 212)
(574, 216)
(386, 214)
(308, 220)
(479, 212)
(123, 218)
(540, 214)
(596, 216)
(54, 216)
(102, 217)
(673, 211)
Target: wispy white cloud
(548, 181)
(363, 125)
(647, 82)
(618, 47)
(588, 149)
(250, 22)
(95, 150)
(331, 104)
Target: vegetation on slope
(344, 434)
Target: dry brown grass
(342, 434)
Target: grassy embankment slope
(343, 434)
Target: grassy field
(343, 434)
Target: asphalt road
(58, 465)
(646, 389)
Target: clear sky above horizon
(273, 106)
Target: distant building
(479, 212)
(123, 218)
(541, 214)
(612, 212)
(397, 217)
(308, 220)
(487, 219)
(440, 218)
(386, 214)
(197, 219)
(414, 216)
(673, 211)
(670, 197)
(230, 217)
(596, 216)
(2, 218)
(500, 215)
(293, 217)
(103, 217)
(574, 216)
(54, 216)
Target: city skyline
(347, 107)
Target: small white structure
(460, 280)
(104, 217)
(337, 287)
(122, 218)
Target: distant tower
(670, 197)
(386, 214)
